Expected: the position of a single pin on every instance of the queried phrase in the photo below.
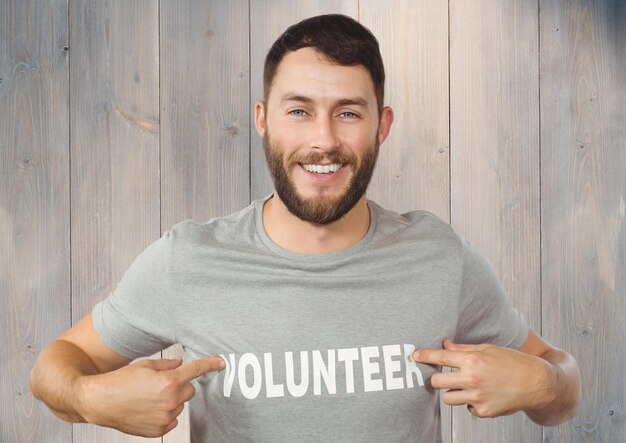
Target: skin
(539, 379)
(313, 106)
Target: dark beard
(320, 210)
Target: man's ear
(386, 119)
(259, 117)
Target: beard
(320, 209)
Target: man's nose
(324, 134)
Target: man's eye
(349, 115)
(297, 113)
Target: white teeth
(323, 169)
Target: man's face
(320, 129)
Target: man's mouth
(322, 169)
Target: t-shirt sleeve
(135, 319)
(486, 314)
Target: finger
(449, 380)
(451, 346)
(171, 426)
(163, 364)
(187, 392)
(455, 397)
(197, 368)
(441, 357)
(176, 412)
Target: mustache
(318, 157)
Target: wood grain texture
(412, 171)
(495, 200)
(583, 139)
(115, 151)
(34, 207)
(267, 21)
(204, 109)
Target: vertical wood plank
(495, 201)
(34, 207)
(114, 82)
(413, 164)
(583, 139)
(269, 19)
(205, 109)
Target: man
(300, 315)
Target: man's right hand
(143, 398)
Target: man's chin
(324, 202)
(320, 197)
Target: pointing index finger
(197, 368)
(439, 357)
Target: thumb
(450, 345)
(163, 364)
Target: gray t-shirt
(317, 346)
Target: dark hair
(339, 38)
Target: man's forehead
(305, 73)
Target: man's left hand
(491, 380)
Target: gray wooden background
(120, 118)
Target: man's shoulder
(418, 222)
(218, 230)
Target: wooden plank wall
(119, 119)
(114, 139)
(494, 165)
(583, 158)
(34, 206)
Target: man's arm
(57, 374)
(565, 382)
(82, 380)
(539, 379)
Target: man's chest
(293, 344)
(292, 337)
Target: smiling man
(329, 126)
(313, 314)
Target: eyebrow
(359, 101)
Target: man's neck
(295, 235)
